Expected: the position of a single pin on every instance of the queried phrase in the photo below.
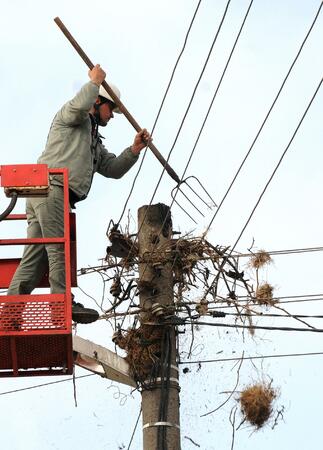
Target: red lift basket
(36, 330)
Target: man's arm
(142, 139)
(113, 166)
(77, 110)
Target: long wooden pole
(160, 400)
(117, 101)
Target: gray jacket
(70, 144)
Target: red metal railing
(35, 330)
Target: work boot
(80, 314)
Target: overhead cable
(266, 117)
(253, 327)
(161, 106)
(298, 299)
(225, 259)
(192, 97)
(250, 358)
(46, 384)
(134, 430)
(190, 102)
(278, 164)
(181, 125)
(213, 98)
(289, 316)
(91, 269)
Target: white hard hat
(103, 93)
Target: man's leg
(50, 214)
(34, 261)
(31, 269)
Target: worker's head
(104, 106)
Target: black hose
(12, 204)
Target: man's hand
(142, 139)
(97, 75)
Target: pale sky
(137, 43)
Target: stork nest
(184, 255)
(260, 259)
(256, 404)
(202, 307)
(143, 348)
(264, 295)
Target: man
(73, 142)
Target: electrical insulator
(116, 335)
(115, 288)
(158, 310)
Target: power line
(180, 362)
(254, 327)
(287, 296)
(246, 298)
(210, 51)
(289, 316)
(288, 145)
(134, 430)
(299, 299)
(281, 252)
(225, 259)
(137, 309)
(161, 106)
(224, 15)
(266, 117)
(278, 164)
(46, 384)
(178, 132)
(212, 101)
(91, 269)
(303, 300)
(211, 104)
(250, 358)
(192, 96)
(183, 120)
(283, 153)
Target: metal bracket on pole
(101, 361)
(157, 382)
(161, 424)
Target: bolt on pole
(160, 395)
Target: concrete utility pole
(160, 403)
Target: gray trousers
(45, 217)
